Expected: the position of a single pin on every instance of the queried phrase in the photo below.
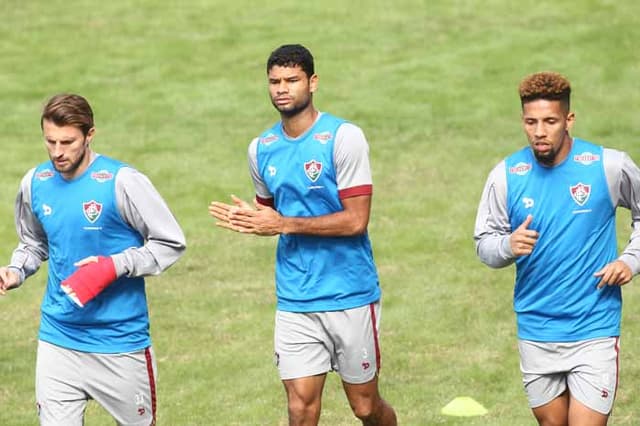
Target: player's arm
(353, 175)
(146, 211)
(623, 179)
(355, 188)
(142, 207)
(32, 248)
(492, 232)
(264, 220)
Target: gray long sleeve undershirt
(139, 204)
(493, 230)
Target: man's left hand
(615, 273)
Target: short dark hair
(545, 85)
(291, 55)
(67, 109)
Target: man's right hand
(523, 239)
(8, 279)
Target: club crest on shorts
(92, 210)
(580, 193)
(313, 169)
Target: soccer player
(313, 188)
(103, 227)
(550, 209)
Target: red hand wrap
(90, 280)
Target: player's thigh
(304, 391)
(594, 380)
(302, 347)
(543, 375)
(580, 414)
(554, 412)
(354, 334)
(125, 385)
(60, 396)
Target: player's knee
(365, 409)
(552, 419)
(299, 410)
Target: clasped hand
(242, 217)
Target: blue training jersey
(555, 297)
(80, 218)
(313, 273)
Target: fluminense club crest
(92, 210)
(313, 169)
(580, 193)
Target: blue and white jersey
(109, 210)
(556, 296)
(301, 178)
(573, 208)
(80, 219)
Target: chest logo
(580, 193)
(520, 169)
(44, 175)
(92, 210)
(268, 139)
(313, 170)
(323, 137)
(586, 158)
(102, 176)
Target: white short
(123, 384)
(589, 368)
(307, 344)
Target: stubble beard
(547, 158)
(71, 169)
(294, 110)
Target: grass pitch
(179, 89)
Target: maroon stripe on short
(617, 347)
(152, 383)
(375, 335)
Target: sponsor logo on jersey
(586, 158)
(46, 209)
(92, 210)
(323, 137)
(520, 169)
(528, 202)
(44, 175)
(102, 176)
(580, 193)
(313, 169)
(269, 139)
(272, 170)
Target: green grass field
(179, 90)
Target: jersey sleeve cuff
(265, 201)
(355, 191)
